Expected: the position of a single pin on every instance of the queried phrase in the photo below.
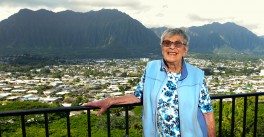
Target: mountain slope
(227, 38)
(95, 34)
(221, 36)
(112, 34)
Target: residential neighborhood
(90, 80)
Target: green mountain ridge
(223, 39)
(111, 34)
(100, 34)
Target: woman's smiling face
(174, 48)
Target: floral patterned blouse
(168, 120)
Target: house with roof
(50, 99)
(261, 72)
(4, 95)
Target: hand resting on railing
(105, 104)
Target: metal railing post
(0, 129)
(46, 124)
(23, 125)
(68, 123)
(255, 116)
(220, 117)
(108, 123)
(89, 122)
(244, 117)
(233, 116)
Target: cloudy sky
(158, 13)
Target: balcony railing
(67, 110)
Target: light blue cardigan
(192, 122)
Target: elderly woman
(175, 97)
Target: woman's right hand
(102, 104)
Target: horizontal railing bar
(237, 95)
(78, 108)
(58, 109)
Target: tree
(45, 71)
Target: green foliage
(222, 58)
(24, 105)
(260, 123)
(239, 109)
(225, 50)
(41, 88)
(25, 62)
(57, 74)
(11, 68)
(137, 110)
(45, 71)
(88, 73)
(12, 124)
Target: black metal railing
(233, 97)
(67, 110)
